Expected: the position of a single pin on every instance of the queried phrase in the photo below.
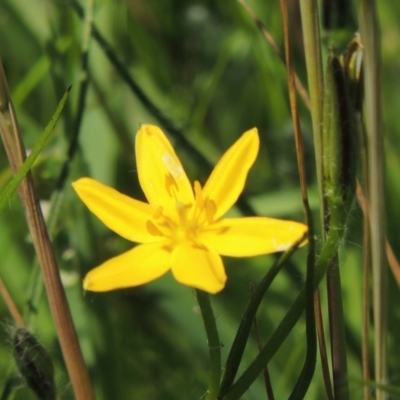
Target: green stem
(304, 380)
(336, 324)
(376, 179)
(286, 325)
(242, 334)
(312, 49)
(214, 344)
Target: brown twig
(12, 308)
(57, 299)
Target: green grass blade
(376, 179)
(44, 137)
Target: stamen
(180, 208)
(171, 186)
(211, 209)
(153, 229)
(198, 194)
(157, 214)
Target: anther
(198, 194)
(211, 210)
(157, 214)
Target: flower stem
(237, 390)
(214, 345)
(239, 343)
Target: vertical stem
(373, 119)
(336, 325)
(312, 48)
(365, 308)
(214, 344)
(307, 372)
(322, 346)
(366, 291)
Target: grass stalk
(307, 372)
(373, 121)
(313, 55)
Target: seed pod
(34, 364)
(352, 63)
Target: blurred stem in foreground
(58, 303)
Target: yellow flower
(180, 227)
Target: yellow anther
(198, 194)
(211, 209)
(171, 186)
(153, 229)
(182, 211)
(157, 214)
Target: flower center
(187, 223)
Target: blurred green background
(206, 66)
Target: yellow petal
(140, 265)
(161, 174)
(122, 214)
(245, 237)
(198, 267)
(227, 180)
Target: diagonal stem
(56, 295)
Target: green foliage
(210, 72)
